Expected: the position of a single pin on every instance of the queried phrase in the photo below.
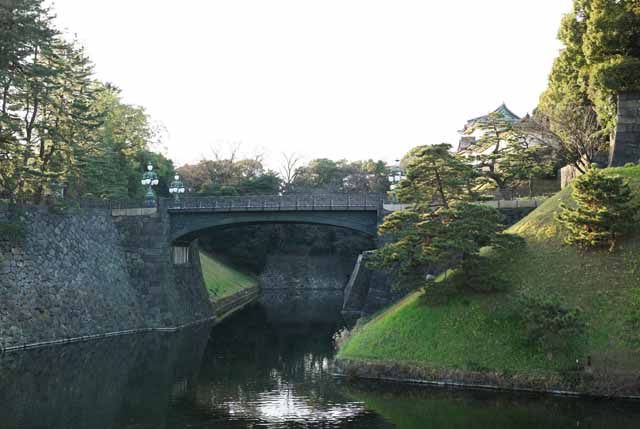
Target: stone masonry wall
(626, 146)
(368, 290)
(85, 272)
(68, 279)
(294, 285)
(172, 294)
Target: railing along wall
(281, 202)
(292, 202)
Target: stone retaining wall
(83, 272)
(69, 278)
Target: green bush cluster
(548, 323)
(619, 74)
(604, 212)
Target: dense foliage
(604, 210)
(230, 176)
(234, 175)
(600, 59)
(325, 175)
(435, 175)
(59, 127)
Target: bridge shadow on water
(268, 366)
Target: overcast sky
(351, 79)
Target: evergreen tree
(600, 58)
(57, 124)
(435, 175)
(612, 51)
(25, 32)
(430, 241)
(604, 210)
(109, 162)
(505, 157)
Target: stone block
(626, 146)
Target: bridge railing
(280, 202)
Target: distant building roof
(536, 133)
(502, 110)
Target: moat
(257, 369)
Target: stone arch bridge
(162, 246)
(189, 217)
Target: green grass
(477, 332)
(222, 280)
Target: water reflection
(256, 370)
(102, 384)
(285, 373)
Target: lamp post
(395, 176)
(150, 179)
(176, 188)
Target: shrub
(548, 323)
(604, 210)
(480, 275)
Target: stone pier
(626, 146)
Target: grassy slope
(474, 332)
(222, 280)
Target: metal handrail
(280, 202)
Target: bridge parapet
(295, 202)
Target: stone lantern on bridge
(176, 188)
(150, 179)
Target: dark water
(258, 369)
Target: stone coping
(142, 211)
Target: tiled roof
(503, 110)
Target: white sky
(351, 79)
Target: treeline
(59, 126)
(234, 175)
(600, 59)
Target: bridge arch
(189, 218)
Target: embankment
(229, 289)
(479, 339)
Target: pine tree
(604, 210)
(435, 175)
(429, 241)
(506, 158)
(440, 230)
